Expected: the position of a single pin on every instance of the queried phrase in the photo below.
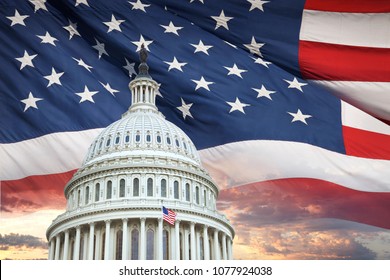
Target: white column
(51, 249)
(177, 241)
(85, 246)
(66, 246)
(186, 245)
(160, 240)
(76, 250)
(107, 241)
(216, 245)
(91, 241)
(193, 245)
(143, 240)
(224, 252)
(124, 239)
(98, 244)
(229, 248)
(58, 245)
(206, 249)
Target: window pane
(86, 195)
(163, 188)
(109, 190)
(176, 190)
(188, 192)
(122, 188)
(97, 192)
(136, 187)
(197, 195)
(150, 187)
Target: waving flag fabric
(169, 216)
(255, 84)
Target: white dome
(142, 133)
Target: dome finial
(143, 67)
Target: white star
(201, 1)
(17, 19)
(72, 29)
(54, 77)
(235, 70)
(202, 83)
(26, 60)
(78, 2)
(222, 20)
(114, 24)
(263, 92)
(171, 28)
(47, 39)
(109, 88)
(200, 47)
(142, 42)
(295, 84)
(237, 106)
(83, 64)
(130, 67)
(261, 61)
(86, 95)
(175, 64)
(31, 101)
(100, 48)
(39, 4)
(185, 109)
(139, 5)
(257, 4)
(254, 47)
(298, 116)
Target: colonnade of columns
(141, 239)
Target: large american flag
(169, 215)
(255, 84)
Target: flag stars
(18, 19)
(39, 4)
(72, 29)
(175, 64)
(235, 70)
(202, 83)
(109, 88)
(100, 48)
(141, 42)
(54, 77)
(254, 47)
(263, 92)
(139, 5)
(200, 47)
(26, 60)
(130, 67)
(295, 84)
(222, 20)
(79, 2)
(114, 24)
(30, 102)
(299, 116)
(47, 39)
(185, 109)
(237, 106)
(83, 64)
(261, 61)
(171, 28)
(86, 95)
(257, 4)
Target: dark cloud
(10, 204)
(20, 240)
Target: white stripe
(353, 29)
(372, 97)
(247, 162)
(49, 154)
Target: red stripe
(35, 192)
(367, 144)
(355, 6)
(297, 199)
(321, 61)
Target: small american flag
(169, 216)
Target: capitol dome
(135, 169)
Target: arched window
(134, 244)
(109, 190)
(117, 139)
(127, 138)
(118, 247)
(197, 195)
(108, 141)
(168, 140)
(148, 137)
(138, 137)
(150, 187)
(136, 187)
(150, 244)
(122, 188)
(176, 190)
(165, 245)
(177, 143)
(97, 192)
(188, 192)
(163, 188)
(79, 198)
(204, 197)
(158, 138)
(86, 200)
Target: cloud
(20, 240)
